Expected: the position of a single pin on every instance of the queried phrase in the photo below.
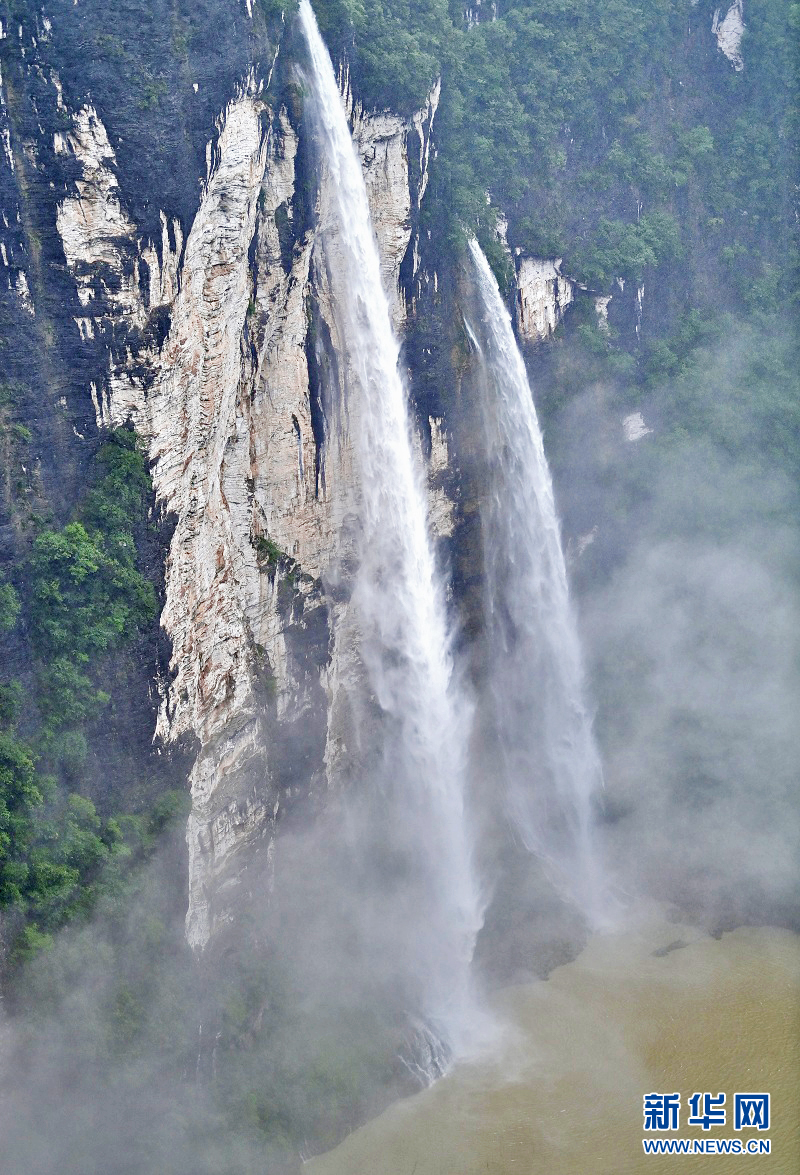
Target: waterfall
(431, 898)
(550, 760)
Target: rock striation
(220, 348)
(543, 295)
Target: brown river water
(560, 1091)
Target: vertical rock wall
(221, 350)
(543, 295)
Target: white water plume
(434, 905)
(551, 764)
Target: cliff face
(543, 295)
(219, 349)
(166, 261)
(161, 222)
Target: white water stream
(399, 609)
(551, 764)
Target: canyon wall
(220, 351)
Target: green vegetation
(268, 551)
(9, 607)
(741, 393)
(628, 249)
(85, 599)
(87, 595)
(612, 135)
(616, 136)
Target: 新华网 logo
(662, 1111)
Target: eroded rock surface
(543, 295)
(729, 31)
(222, 352)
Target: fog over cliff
(340, 688)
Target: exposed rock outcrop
(729, 31)
(221, 351)
(395, 156)
(601, 309)
(634, 427)
(543, 295)
(98, 237)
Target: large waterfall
(430, 894)
(550, 761)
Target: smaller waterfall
(551, 764)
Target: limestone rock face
(222, 352)
(634, 427)
(601, 309)
(395, 158)
(99, 239)
(543, 296)
(729, 31)
(440, 505)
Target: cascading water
(434, 905)
(551, 763)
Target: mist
(125, 1052)
(129, 1053)
(416, 827)
(690, 609)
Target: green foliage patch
(614, 136)
(86, 598)
(87, 594)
